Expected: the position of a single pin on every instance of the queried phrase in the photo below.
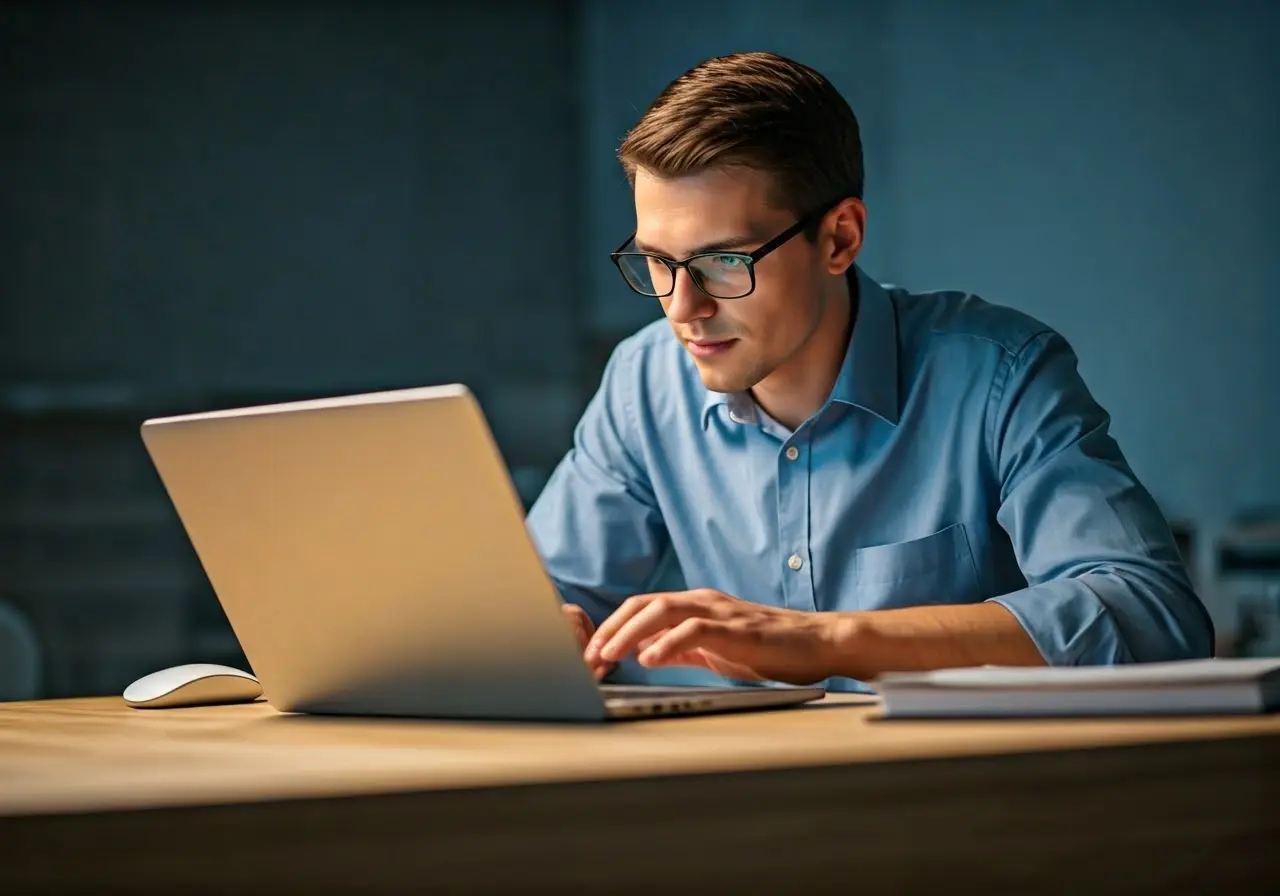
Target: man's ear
(842, 234)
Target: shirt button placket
(793, 527)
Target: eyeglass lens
(726, 276)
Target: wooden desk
(96, 796)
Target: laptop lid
(371, 555)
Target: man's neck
(796, 391)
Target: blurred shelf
(1249, 550)
(90, 518)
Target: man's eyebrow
(729, 245)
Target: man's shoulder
(948, 317)
(653, 336)
(649, 369)
(650, 350)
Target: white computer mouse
(193, 684)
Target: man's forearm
(864, 644)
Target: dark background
(210, 204)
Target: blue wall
(288, 196)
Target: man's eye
(728, 261)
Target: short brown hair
(753, 110)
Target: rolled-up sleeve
(1106, 583)
(596, 524)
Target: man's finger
(580, 621)
(619, 617)
(695, 658)
(688, 637)
(659, 613)
(651, 640)
(582, 631)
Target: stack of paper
(1188, 687)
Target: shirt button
(795, 561)
(792, 452)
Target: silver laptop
(371, 555)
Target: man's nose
(686, 302)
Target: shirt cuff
(1068, 623)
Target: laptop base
(648, 701)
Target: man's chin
(719, 380)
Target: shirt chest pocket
(936, 569)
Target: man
(853, 478)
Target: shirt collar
(868, 377)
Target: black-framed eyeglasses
(720, 275)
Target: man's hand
(583, 629)
(731, 637)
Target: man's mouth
(709, 348)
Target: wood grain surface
(95, 796)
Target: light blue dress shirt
(959, 458)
